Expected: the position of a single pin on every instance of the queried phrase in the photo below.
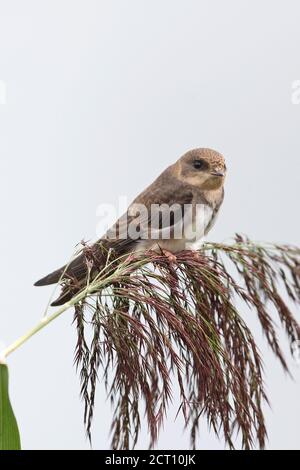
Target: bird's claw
(168, 254)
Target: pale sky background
(100, 97)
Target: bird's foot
(197, 255)
(168, 254)
(130, 258)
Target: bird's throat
(213, 196)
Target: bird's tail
(76, 272)
(77, 269)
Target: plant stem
(96, 283)
(43, 322)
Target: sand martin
(172, 214)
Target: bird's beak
(218, 173)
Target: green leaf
(9, 432)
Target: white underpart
(203, 218)
(192, 232)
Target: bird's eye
(198, 164)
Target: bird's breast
(198, 223)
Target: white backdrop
(97, 97)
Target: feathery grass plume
(154, 319)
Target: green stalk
(42, 323)
(94, 285)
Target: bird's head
(204, 168)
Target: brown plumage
(194, 182)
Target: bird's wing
(75, 269)
(152, 215)
(164, 192)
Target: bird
(174, 213)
